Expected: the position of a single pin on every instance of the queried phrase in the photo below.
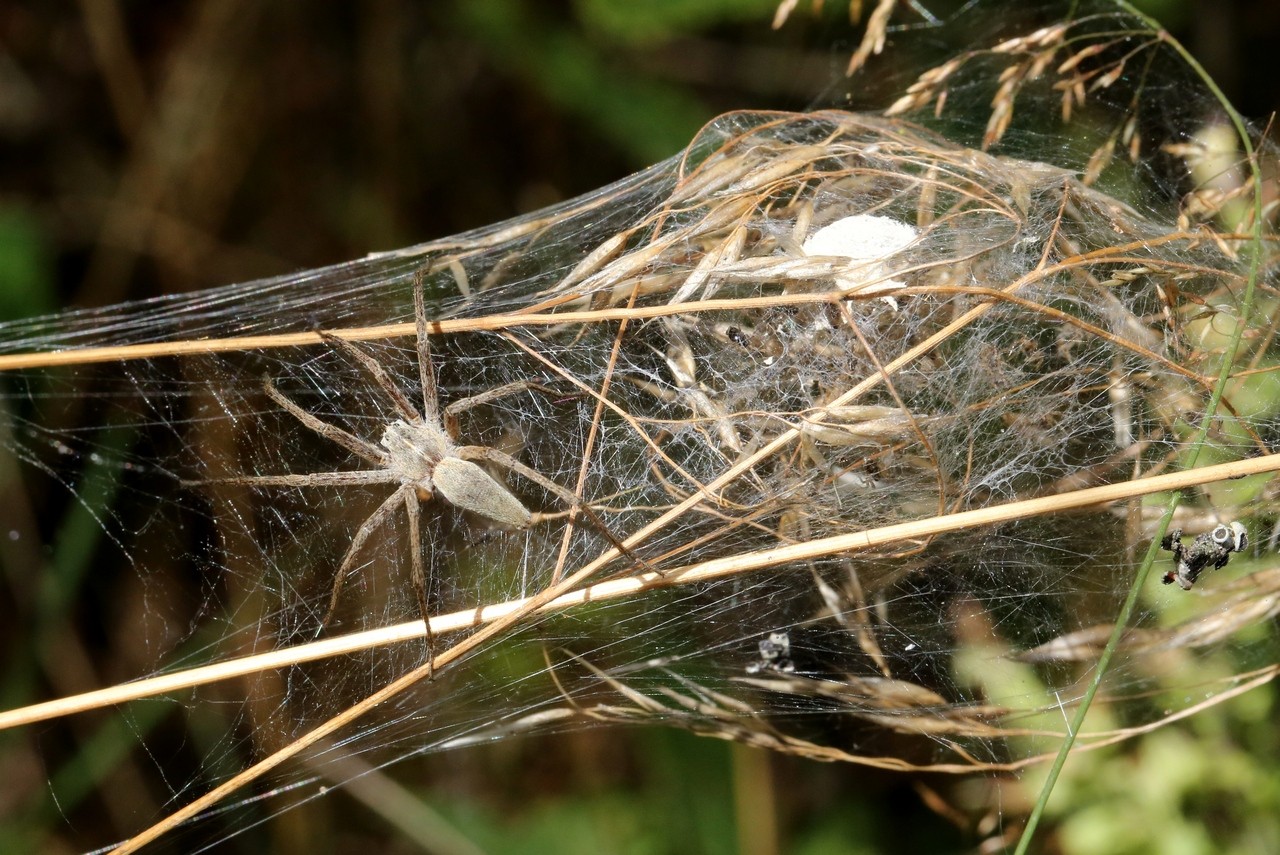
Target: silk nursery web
(801, 438)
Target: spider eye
(1221, 535)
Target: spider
(1211, 548)
(420, 454)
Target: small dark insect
(775, 655)
(1211, 549)
(737, 336)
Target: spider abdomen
(465, 485)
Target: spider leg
(506, 461)
(367, 528)
(426, 368)
(349, 441)
(451, 412)
(414, 512)
(311, 479)
(379, 375)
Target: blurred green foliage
(640, 24)
(27, 271)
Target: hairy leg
(349, 441)
(367, 528)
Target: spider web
(1053, 321)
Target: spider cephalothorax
(1211, 549)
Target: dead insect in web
(775, 655)
(1211, 549)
